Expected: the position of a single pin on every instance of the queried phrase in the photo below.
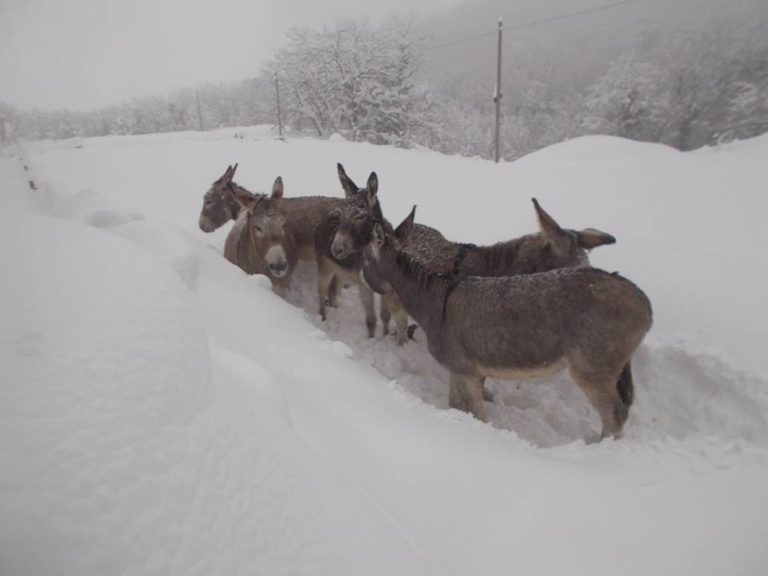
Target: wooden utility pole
(279, 112)
(199, 114)
(497, 97)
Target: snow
(161, 412)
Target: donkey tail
(625, 386)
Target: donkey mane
(409, 266)
(498, 256)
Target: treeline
(686, 89)
(202, 108)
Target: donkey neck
(422, 292)
(500, 259)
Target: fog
(85, 53)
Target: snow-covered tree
(354, 78)
(629, 101)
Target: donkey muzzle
(206, 225)
(341, 247)
(277, 270)
(277, 262)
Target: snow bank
(161, 412)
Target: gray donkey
(220, 202)
(551, 248)
(524, 326)
(339, 240)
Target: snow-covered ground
(163, 413)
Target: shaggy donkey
(516, 327)
(553, 247)
(339, 240)
(550, 248)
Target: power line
(536, 23)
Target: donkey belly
(534, 373)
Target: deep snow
(161, 412)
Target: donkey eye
(259, 230)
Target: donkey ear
(232, 174)
(547, 223)
(277, 188)
(591, 238)
(227, 176)
(403, 231)
(371, 189)
(242, 195)
(350, 188)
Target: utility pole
(497, 97)
(199, 114)
(279, 113)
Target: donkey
(551, 248)
(225, 200)
(220, 202)
(261, 241)
(339, 240)
(516, 327)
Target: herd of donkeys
(524, 308)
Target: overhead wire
(535, 23)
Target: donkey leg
(366, 297)
(401, 325)
(467, 394)
(325, 281)
(385, 313)
(333, 292)
(280, 288)
(601, 388)
(396, 309)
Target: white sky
(85, 53)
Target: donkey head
(269, 232)
(219, 202)
(355, 219)
(563, 247)
(383, 240)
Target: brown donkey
(516, 327)
(288, 222)
(225, 199)
(262, 242)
